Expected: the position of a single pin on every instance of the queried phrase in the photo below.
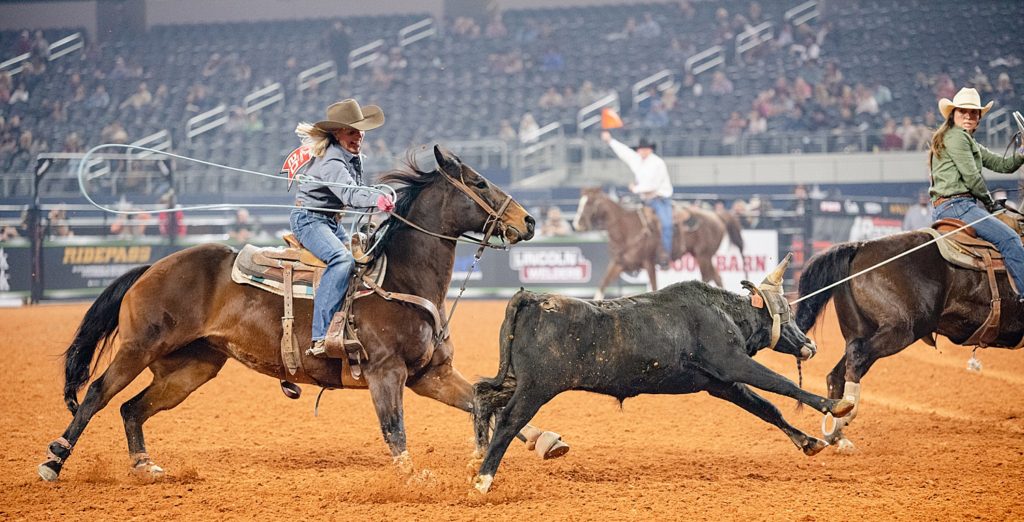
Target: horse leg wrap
(549, 445)
(143, 466)
(851, 392)
(529, 435)
(56, 453)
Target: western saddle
(965, 249)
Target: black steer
(685, 338)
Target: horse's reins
(494, 223)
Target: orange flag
(610, 119)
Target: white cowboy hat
(348, 113)
(967, 98)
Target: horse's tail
(823, 270)
(98, 328)
(734, 229)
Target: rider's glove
(385, 203)
(993, 206)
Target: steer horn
(774, 278)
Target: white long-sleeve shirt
(651, 174)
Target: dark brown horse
(887, 309)
(183, 317)
(634, 240)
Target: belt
(333, 215)
(942, 199)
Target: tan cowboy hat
(348, 113)
(967, 98)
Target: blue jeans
(991, 230)
(328, 240)
(662, 208)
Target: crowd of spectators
(797, 82)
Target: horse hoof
(550, 446)
(47, 473)
(843, 407)
(845, 447)
(424, 478)
(814, 446)
(403, 463)
(148, 473)
(483, 483)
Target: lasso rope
(385, 190)
(891, 259)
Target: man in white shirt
(651, 183)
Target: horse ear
(446, 161)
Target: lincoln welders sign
(554, 264)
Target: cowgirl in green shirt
(956, 182)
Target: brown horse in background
(183, 317)
(887, 309)
(634, 237)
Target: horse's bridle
(494, 222)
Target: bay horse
(885, 310)
(634, 240)
(183, 317)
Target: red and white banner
(760, 256)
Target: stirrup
(354, 350)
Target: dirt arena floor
(934, 442)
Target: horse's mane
(408, 180)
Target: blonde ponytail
(315, 138)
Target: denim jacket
(334, 167)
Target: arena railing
(662, 80)
(316, 75)
(206, 122)
(590, 115)
(365, 55)
(802, 13)
(705, 60)
(261, 98)
(62, 47)
(415, 32)
(753, 37)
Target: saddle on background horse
(966, 250)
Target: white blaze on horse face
(579, 212)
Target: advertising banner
(760, 256)
(81, 268)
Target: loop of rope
(891, 259)
(82, 163)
